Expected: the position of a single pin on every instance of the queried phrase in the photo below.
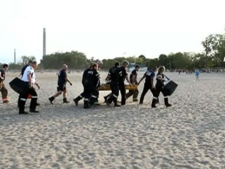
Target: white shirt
(28, 70)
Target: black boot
(51, 99)
(135, 95)
(135, 100)
(141, 99)
(33, 105)
(123, 101)
(76, 100)
(21, 105)
(105, 98)
(157, 101)
(154, 102)
(167, 102)
(109, 100)
(34, 111)
(65, 100)
(130, 93)
(86, 104)
(115, 103)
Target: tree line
(212, 57)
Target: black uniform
(133, 92)
(122, 76)
(149, 77)
(76, 100)
(114, 77)
(91, 83)
(160, 78)
(62, 76)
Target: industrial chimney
(14, 56)
(44, 42)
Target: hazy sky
(107, 28)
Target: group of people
(116, 78)
(91, 82)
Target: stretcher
(103, 87)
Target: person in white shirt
(29, 80)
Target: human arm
(142, 78)
(152, 83)
(37, 85)
(127, 79)
(133, 77)
(108, 77)
(29, 77)
(2, 75)
(2, 78)
(69, 81)
(64, 74)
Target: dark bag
(18, 85)
(170, 87)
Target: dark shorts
(61, 88)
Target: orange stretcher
(103, 87)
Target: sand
(190, 134)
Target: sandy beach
(190, 134)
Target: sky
(107, 28)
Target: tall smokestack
(44, 42)
(14, 56)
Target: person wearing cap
(3, 89)
(113, 76)
(61, 88)
(133, 80)
(28, 79)
(122, 76)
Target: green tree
(25, 59)
(214, 46)
(74, 60)
(142, 57)
(163, 60)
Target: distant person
(197, 72)
(3, 89)
(179, 71)
(61, 88)
(133, 81)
